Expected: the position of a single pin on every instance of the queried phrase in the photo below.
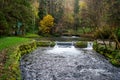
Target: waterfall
(64, 44)
(64, 48)
(90, 45)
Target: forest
(98, 20)
(70, 16)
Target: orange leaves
(46, 24)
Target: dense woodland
(20, 17)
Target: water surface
(67, 64)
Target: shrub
(103, 33)
(112, 55)
(27, 48)
(115, 62)
(117, 55)
(46, 24)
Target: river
(67, 64)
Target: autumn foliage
(46, 24)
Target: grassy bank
(10, 54)
(12, 48)
(9, 42)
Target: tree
(42, 9)
(105, 13)
(53, 7)
(76, 14)
(15, 11)
(46, 24)
(68, 16)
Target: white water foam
(64, 48)
(89, 46)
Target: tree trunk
(117, 42)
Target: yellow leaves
(46, 24)
(48, 20)
(83, 5)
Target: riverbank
(9, 57)
(12, 48)
(108, 49)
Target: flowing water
(65, 62)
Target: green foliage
(46, 24)
(53, 7)
(113, 15)
(112, 55)
(42, 9)
(117, 55)
(30, 35)
(27, 48)
(45, 44)
(11, 68)
(81, 44)
(76, 15)
(12, 12)
(115, 62)
(3, 24)
(41, 13)
(103, 32)
(84, 30)
(118, 34)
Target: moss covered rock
(45, 43)
(115, 62)
(81, 44)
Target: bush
(115, 62)
(112, 55)
(27, 48)
(103, 33)
(117, 55)
(46, 24)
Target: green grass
(87, 29)
(9, 68)
(8, 42)
(30, 35)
